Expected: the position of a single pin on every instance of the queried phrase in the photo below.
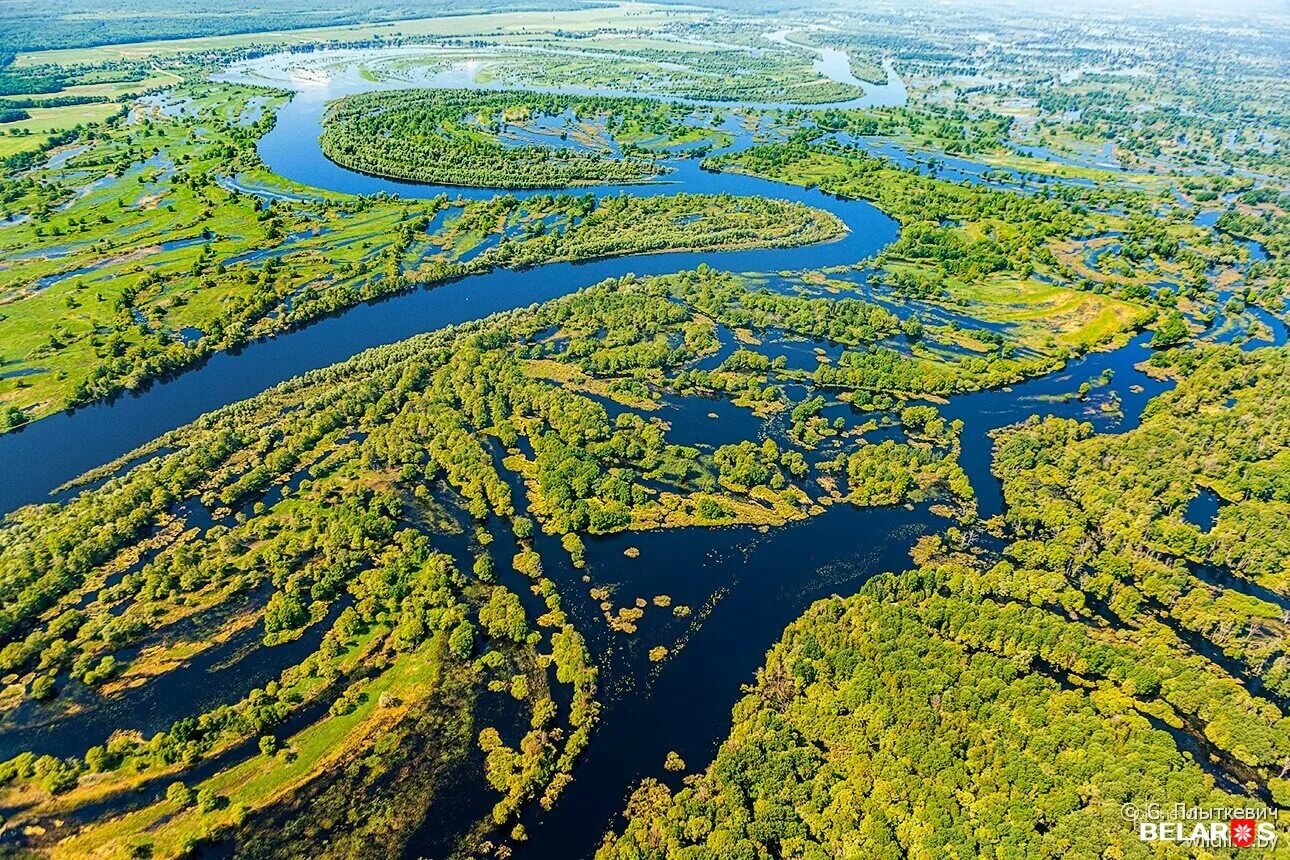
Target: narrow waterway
(750, 586)
(98, 433)
(743, 586)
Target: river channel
(745, 586)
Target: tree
(1173, 330)
(180, 794)
(502, 617)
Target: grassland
(453, 26)
(411, 682)
(135, 259)
(105, 94)
(1005, 257)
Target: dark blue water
(220, 675)
(743, 586)
(97, 434)
(983, 412)
(754, 585)
(1202, 510)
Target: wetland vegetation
(504, 140)
(143, 253)
(1087, 624)
(477, 399)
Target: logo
(1204, 827)
(1241, 832)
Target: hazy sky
(1203, 8)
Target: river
(99, 433)
(744, 586)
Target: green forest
(644, 431)
(1009, 703)
(452, 137)
(334, 490)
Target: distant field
(586, 20)
(47, 121)
(32, 133)
(59, 24)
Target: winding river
(744, 586)
(98, 433)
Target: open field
(506, 24)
